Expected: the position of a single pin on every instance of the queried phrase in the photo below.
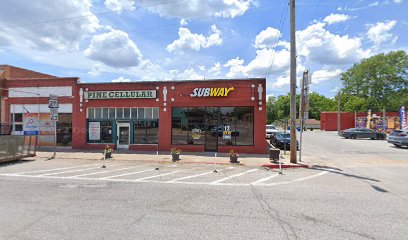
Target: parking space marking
(235, 175)
(54, 169)
(159, 175)
(114, 170)
(197, 175)
(264, 179)
(126, 174)
(80, 170)
(177, 180)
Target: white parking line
(55, 169)
(126, 174)
(80, 170)
(235, 175)
(197, 175)
(159, 175)
(264, 179)
(86, 174)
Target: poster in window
(30, 124)
(226, 133)
(196, 133)
(94, 131)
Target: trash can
(274, 154)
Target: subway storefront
(204, 115)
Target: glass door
(123, 135)
(212, 129)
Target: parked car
(354, 133)
(282, 140)
(270, 129)
(399, 138)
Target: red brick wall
(240, 96)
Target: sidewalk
(252, 160)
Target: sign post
(53, 106)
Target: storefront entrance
(211, 131)
(123, 135)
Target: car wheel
(397, 145)
(353, 136)
(346, 137)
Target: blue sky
(126, 40)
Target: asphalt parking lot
(356, 190)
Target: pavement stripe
(55, 169)
(235, 175)
(86, 174)
(264, 179)
(80, 170)
(126, 174)
(197, 175)
(159, 175)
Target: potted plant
(108, 151)
(233, 156)
(175, 154)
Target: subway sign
(211, 92)
(120, 94)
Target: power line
(281, 25)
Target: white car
(270, 129)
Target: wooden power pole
(293, 143)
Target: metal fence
(16, 147)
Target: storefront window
(245, 126)
(64, 129)
(146, 132)
(196, 126)
(100, 132)
(228, 125)
(179, 126)
(119, 113)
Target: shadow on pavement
(12, 162)
(331, 170)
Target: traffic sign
(53, 101)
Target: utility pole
(292, 120)
(338, 113)
(302, 104)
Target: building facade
(193, 115)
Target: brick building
(193, 115)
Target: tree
(319, 103)
(379, 81)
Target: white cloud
(121, 79)
(379, 32)
(321, 46)
(201, 67)
(267, 38)
(397, 1)
(96, 70)
(120, 5)
(325, 75)
(115, 49)
(188, 74)
(183, 22)
(29, 25)
(262, 65)
(197, 8)
(336, 18)
(216, 69)
(193, 41)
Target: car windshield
(270, 127)
(283, 135)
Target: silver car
(399, 138)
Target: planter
(175, 157)
(108, 154)
(234, 159)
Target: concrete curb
(276, 165)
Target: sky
(134, 40)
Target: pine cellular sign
(120, 94)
